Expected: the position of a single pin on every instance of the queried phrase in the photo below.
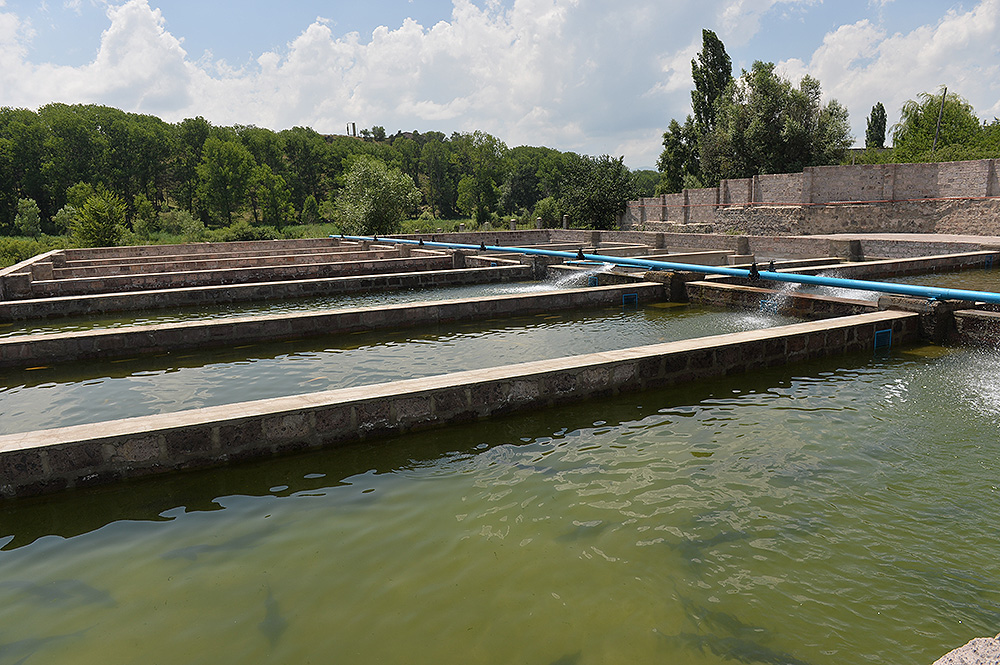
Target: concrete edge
(46, 461)
(50, 348)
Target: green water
(276, 307)
(76, 393)
(825, 513)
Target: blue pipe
(931, 292)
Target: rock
(980, 651)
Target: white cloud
(739, 20)
(861, 64)
(581, 75)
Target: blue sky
(592, 76)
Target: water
(822, 513)
(970, 280)
(276, 307)
(55, 396)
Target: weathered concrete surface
(980, 651)
(51, 288)
(43, 308)
(975, 327)
(57, 459)
(753, 298)
(28, 350)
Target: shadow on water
(734, 648)
(238, 544)
(58, 592)
(25, 649)
(728, 637)
(353, 468)
(274, 624)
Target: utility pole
(937, 130)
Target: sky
(594, 77)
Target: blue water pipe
(931, 292)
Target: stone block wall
(784, 188)
(948, 197)
(702, 204)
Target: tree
(144, 216)
(375, 198)
(712, 71)
(766, 125)
(918, 123)
(680, 161)
(224, 177)
(679, 164)
(437, 177)
(481, 158)
(598, 192)
(101, 221)
(875, 133)
(28, 220)
(310, 210)
(270, 198)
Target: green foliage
(78, 194)
(224, 178)
(961, 138)
(64, 218)
(242, 230)
(63, 155)
(645, 182)
(28, 220)
(600, 188)
(550, 212)
(144, 217)
(712, 71)
(875, 133)
(180, 223)
(918, 123)
(101, 220)
(15, 250)
(310, 210)
(766, 125)
(270, 198)
(375, 198)
(759, 123)
(680, 156)
(482, 158)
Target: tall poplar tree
(712, 71)
(679, 163)
(875, 133)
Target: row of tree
(53, 160)
(760, 123)
(933, 128)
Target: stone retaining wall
(47, 461)
(947, 197)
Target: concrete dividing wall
(759, 299)
(47, 349)
(20, 310)
(52, 288)
(52, 460)
(975, 327)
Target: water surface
(824, 513)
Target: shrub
(101, 221)
(28, 220)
